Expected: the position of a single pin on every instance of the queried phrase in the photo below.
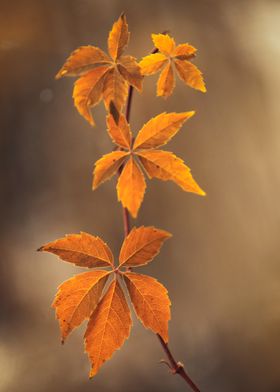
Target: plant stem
(175, 367)
(126, 222)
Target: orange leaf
(108, 328)
(166, 166)
(150, 301)
(131, 187)
(141, 245)
(131, 71)
(164, 43)
(190, 74)
(170, 53)
(160, 129)
(83, 249)
(166, 82)
(120, 133)
(88, 91)
(184, 51)
(152, 63)
(107, 166)
(77, 298)
(115, 89)
(118, 37)
(82, 60)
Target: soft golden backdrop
(222, 265)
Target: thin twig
(177, 367)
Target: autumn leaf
(166, 81)
(85, 295)
(156, 163)
(189, 73)
(77, 298)
(164, 165)
(160, 129)
(167, 56)
(82, 60)
(118, 37)
(103, 76)
(88, 91)
(82, 249)
(141, 245)
(108, 328)
(119, 132)
(107, 166)
(131, 186)
(150, 301)
(152, 63)
(129, 69)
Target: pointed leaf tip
(118, 37)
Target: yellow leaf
(190, 74)
(120, 133)
(141, 245)
(77, 298)
(88, 91)
(164, 43)
(131, 187)
(118, 37)
(82, 60)
(184, 51)
(150, 301)
(131, 71)
(166, 166)
(166, 82)
(107, 166)
(115, 89)
(108, 328)
(160, 129)
(83, 249)
(152, 63)
(170, 53)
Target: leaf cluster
(90, 296)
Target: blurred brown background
(222, 265)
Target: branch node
(178, 368)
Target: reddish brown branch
(176, 367)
